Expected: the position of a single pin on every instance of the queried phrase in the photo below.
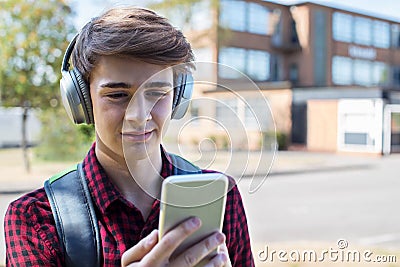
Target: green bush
(282, 140)
(221, 141)
(279, 137)
(61, 140)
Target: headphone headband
(65, 62)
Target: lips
(142, 136)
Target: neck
(139, 181)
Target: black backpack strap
(182, 166)
(75, 217)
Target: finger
(140, 250)
(219, 260)
(199, 251)
(224, 250)
(171, 240)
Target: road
(317, 198)
(358, 203)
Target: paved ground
(356, 202)
(309, 200)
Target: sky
(382, 8)
(389, 9)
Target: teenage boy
(113, 56)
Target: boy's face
(128, 108)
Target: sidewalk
(14, 178)
(238, 164)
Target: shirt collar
(103, 191)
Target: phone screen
(200, 195)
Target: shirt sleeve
(236, 230)
(30, 234)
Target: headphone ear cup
(177, 91)
(75, 92)
(75, 97)
(182, 95)
(84, 94)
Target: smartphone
(199, 195)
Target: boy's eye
(157, 93)
(117, 95)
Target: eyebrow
(157, 84)
(116, 85)
(128, 85)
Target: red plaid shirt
(32, 240)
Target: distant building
(11, 127)
(329, 73)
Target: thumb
(138, 251)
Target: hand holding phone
(195, 195)
(157, 253)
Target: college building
(325, 78)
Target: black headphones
(75, 93)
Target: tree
(33, 36)
(181, 12)
(198, 19)
(177, 10)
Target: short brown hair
(131, 31)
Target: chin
(139, 151)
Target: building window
(396, 75)
(362, 72)
(245, 17)
(360, 125)
(356, 130)
(355, 138)
(380, 73)
(294, 38)
(235, 59)
(294, 73)
(395, 34)
(346, 71)
(258, 17)
(342, 27)
(381, 34)
(275, 74)
(254, 63)
(258, 65)
(342, 70)
(233, 15)
(362, 31)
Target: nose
(138, 110)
